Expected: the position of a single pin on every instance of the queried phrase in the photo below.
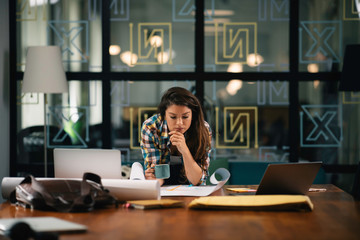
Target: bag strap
(12, 198)
(92, 177)
(37, 187)
(97, 179)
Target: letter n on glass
(237, 128)
(234, 42)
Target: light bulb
(163, 57)
(129, 58)
(254, 60)
(156, 41)
(233, 86)
(235, 68)
(114, 50)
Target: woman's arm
(150, 153)
(192, 170)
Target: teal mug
(162, 171)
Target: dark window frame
(106, 76)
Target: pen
(172, 189)
(127, 205)
(241, 190)
(317, 189)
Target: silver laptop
(73, 163)
(288, 178)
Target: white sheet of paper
(197, 191)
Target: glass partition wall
(266, 72)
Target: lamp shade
(350, 76)
(44, 71)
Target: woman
(179, 136)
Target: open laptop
(288, 178)
(73, 163)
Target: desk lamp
(44, 73)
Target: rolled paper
(137, 172)
(198, 191)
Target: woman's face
(178, 118)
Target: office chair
(356, 187)
(30, 142)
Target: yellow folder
(255, 202)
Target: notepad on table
(43, 224)
(255, 202)
(151, 204)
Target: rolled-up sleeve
(148, 144)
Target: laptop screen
(73, 163)
(288, 178)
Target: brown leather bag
(63, 195)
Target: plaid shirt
(155, 144)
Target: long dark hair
(197, 136)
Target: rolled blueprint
(137, 172)
(224, 174)
(8, 185)
(198, 191)
(125, 190)
(122, 189)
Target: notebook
(288, 178)
(73, 163)
(43, 224)
(155, 203)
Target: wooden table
(335, 216)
